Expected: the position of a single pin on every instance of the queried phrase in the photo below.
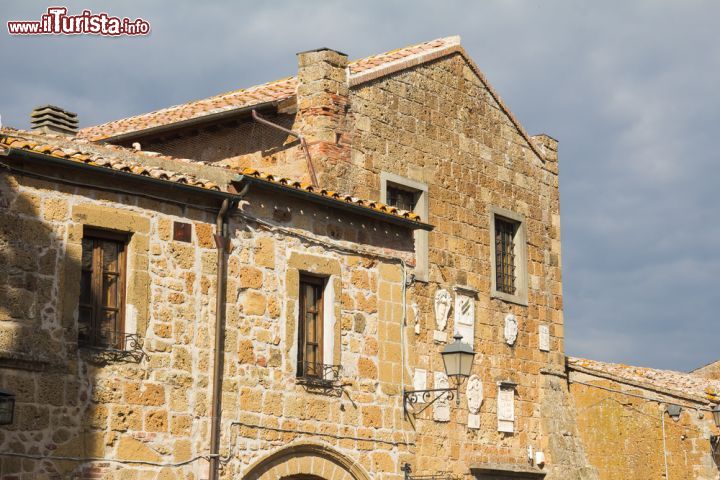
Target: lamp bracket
(412, 397)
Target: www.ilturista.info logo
(56, 21)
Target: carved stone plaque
(506, 408)
(544, 338)
(473, 421)
(443, 301)
(511, 329)
(474, 394)
(441, 409)
(465, 317)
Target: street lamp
(457, 359)
(715, 439)
(7, 407)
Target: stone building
(252, 285)
(644, 423)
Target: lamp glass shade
(716, 415)
(458, 359)
(7, 408)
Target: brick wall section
(322, 104)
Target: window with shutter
(310, 327)
(102, 289)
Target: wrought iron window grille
(407, 470)
(320, 378)
(112, 346)
(319, 373)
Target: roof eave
(191, 122)
(23, 154)
(242, 180)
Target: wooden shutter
(310, 327)
(102, 289)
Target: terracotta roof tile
(35, 142)
(130, 161)
(268, 92)
(666, 380)
(377, 206)
(361, 70)
(373, 61)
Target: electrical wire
(320, 434)
(100, 459)
(658, 400)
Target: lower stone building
(644, 423)
(264, 284)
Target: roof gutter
(222, 241)
(242, 180)
(192, 122)
(180, 187)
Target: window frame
(422, 208)
(319, 283)
(96, 294)
(520, 296)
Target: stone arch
(306, 461)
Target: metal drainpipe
(305, 148)
(222, 242)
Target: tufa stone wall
(627, 434)
(437, 123)
(129, 419)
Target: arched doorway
(306, 461)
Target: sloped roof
(711, 370)
(268, 92)
(107, 156)
(376, 206)
(360, 71)
(131, 161)
(680, 383)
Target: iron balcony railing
(109, 340)
(312, 372)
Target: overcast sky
(630, 88)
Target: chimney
(50, 118)
(322, 104)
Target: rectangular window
(505, 256)
(411, 195)
(401, 198)
(102, 289)
(310, 327)
(508, 245)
